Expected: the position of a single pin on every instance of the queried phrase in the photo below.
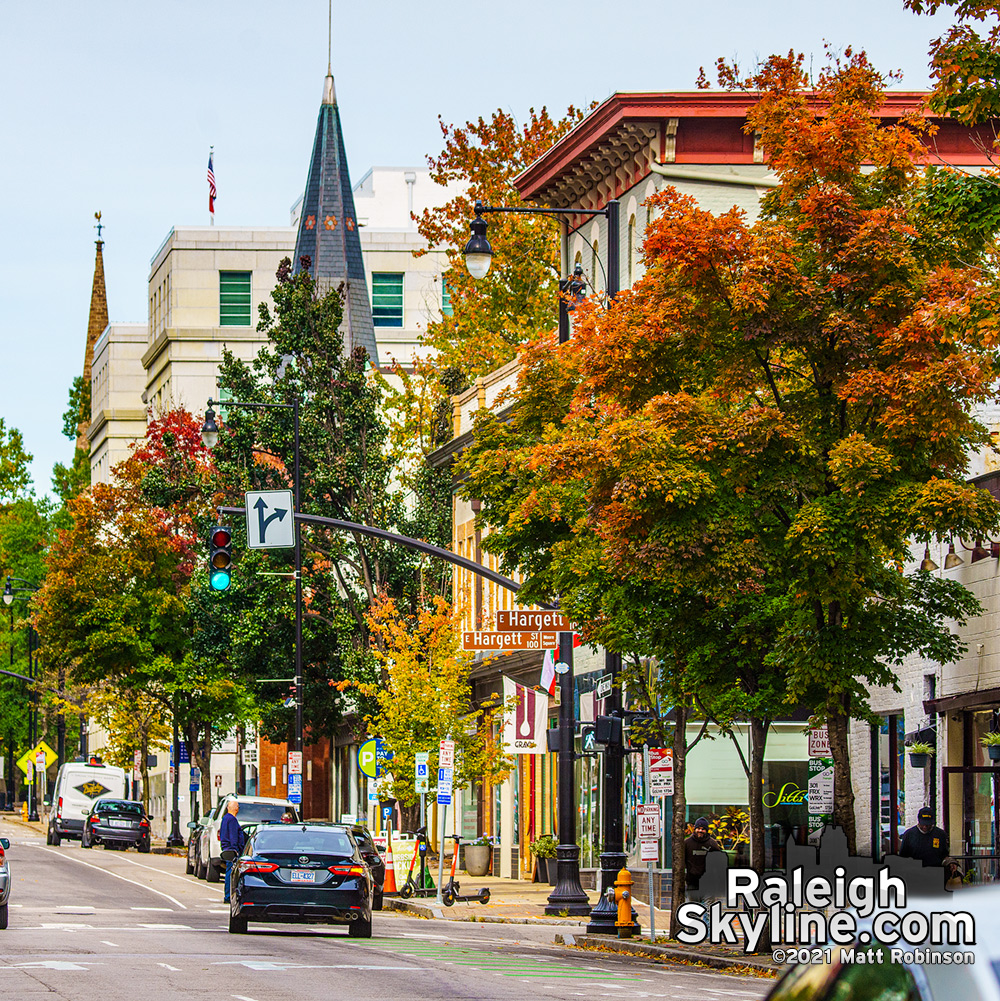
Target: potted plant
(991, 741)
(478, 855)
(544, 849)
(919, 753)
(731, 830)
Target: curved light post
(9, 594)
(568, 895)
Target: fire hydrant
(623, 897)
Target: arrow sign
(270, 524)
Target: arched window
(631, 247)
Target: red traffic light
(222, 537)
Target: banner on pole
(524, 725)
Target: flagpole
(211, 197)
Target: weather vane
(99, 226)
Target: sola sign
(819, 742)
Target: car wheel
(377, 900)
(3, 916)
(85, 841)
(362, 928)
(189, 866)
(237, 924)
(144, 848)
(56, 840)
(48, 835)
(201, 870)
(213, 874)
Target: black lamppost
(9, 593)
(210, 436)
(478, 257)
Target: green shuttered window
(387, 299)
(234, 298)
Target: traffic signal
(220, 557)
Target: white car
(254, 810)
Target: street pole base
(175, 842)
(568, 897)
(604, 916)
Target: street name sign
(661, 771)
(270, 519)
(485, 640)
(534, 622)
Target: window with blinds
(234, 298)
(387, 298)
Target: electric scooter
(410, 887)
(449, 892)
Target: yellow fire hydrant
(623, 897)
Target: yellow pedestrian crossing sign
(32, 756)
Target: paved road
(110, 926)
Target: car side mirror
(149, 816)
(5, 843)
(192, 824)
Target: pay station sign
(270, 519)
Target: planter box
(552, 867)
(477, 859)
(919, 760)
(994, 751)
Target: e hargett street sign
(270, 519)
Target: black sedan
(116, 823)
(302, 873)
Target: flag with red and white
(211, 186)
(549, 673)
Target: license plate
(303, 876)
(120, 823)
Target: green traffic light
(219, 580)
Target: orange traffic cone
(389, 885)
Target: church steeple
(328, 228)
(95, 327)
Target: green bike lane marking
(513, 966)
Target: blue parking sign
(294, 788)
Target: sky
(113, 106)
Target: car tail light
(347, 870)
(1, 855)
(95, 819)
(250, 866)
(59, 808)
(144, 823)
(218, 835)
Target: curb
(422, 910)
(634, 948)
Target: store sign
(790, 794)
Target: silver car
(4, 881)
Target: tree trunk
(409, 816)
(144, 768)
(679, 819)
(758, 742)
(201, 757)
(843, 790)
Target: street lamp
(9, 593)
(210, 437)
(478, 257)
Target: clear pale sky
(113, 106)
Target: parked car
(302, 873)
(4, 881)
(117, 824)
(372, 856)
(253, 810)
(78, 785)
(194, 843)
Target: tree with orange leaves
(777, 409)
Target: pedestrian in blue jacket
(232, 837)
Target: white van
(78, 784)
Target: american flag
(211, 186)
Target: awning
(987, 698)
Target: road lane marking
(167, 966)
(242, 997)
(108, 872)
(153, 868)
(114, 945)
(169, 910)
(53, 964)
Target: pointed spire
(95, 327)
(328, 228)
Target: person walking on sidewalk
(232, 838)
(696, 849)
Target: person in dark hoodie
(925, 842)
(696, 849)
